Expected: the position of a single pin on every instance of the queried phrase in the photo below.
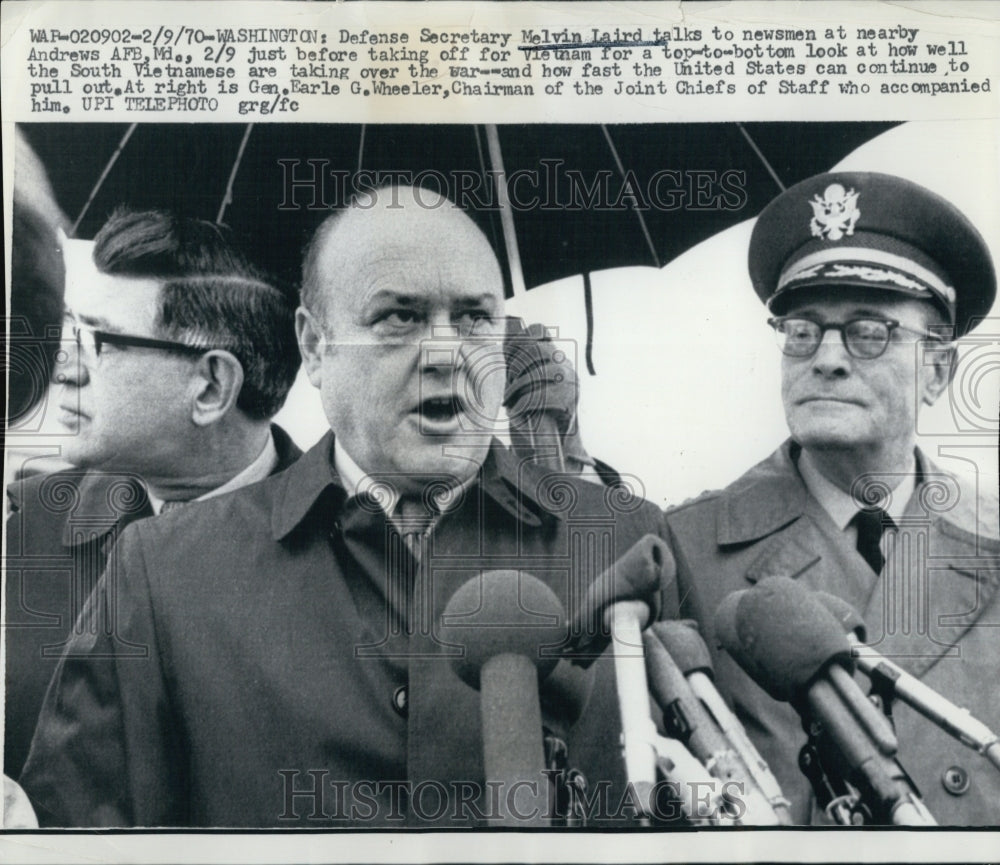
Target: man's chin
(79, 456)
(827, 438)
(453, 464)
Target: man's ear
(940, 363)
(218, 380)
(309, 332)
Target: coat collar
(946, 526)
(105, 502)
(112, 500)
(288, 451)
(772, 495)
(768, 497)
(313, 477)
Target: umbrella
(570, 198)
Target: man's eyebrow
(96, 321)
(484, 299)
(389, 295)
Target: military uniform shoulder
(975, 518)
(966, 503)
(704, 498)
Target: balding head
(398, 294)
(391, 218)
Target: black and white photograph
(546, 479)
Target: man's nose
(831, 358)
(442, 346)
(69, 367)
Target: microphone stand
(646, 754)
(858, 782)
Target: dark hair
(211, 296)
(36, 308)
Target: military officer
(868, 278)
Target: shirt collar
(262, 466)
(357, 482)
(319, 472)
(842, 506)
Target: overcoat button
(956, 780)
(399, 701)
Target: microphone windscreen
(564, 695)
(781, 635)
(849, 618)
(683, 641)
(503, 613)
(638, 575)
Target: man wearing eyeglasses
(176, 353)
(298, 674)
(869, 278)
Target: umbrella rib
(506, 216)
(635, 210)
(761, 157)
(227, 199)
(101, 179)
(361, 147)
(588, 308)
(486, 181)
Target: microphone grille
(503, 612)
(682, 639)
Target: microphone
(792, 646)
(564, 695)
(689, 719)
(502, 620)
(888, 677)
(617, 606)
(686, 646)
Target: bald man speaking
(295, 673)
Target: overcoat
(61, 529)
(274, 670)
(934, 610)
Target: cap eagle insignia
(835, 214)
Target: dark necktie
(414, 520)
(870, 525)
(407, 592)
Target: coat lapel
(770, 506)
(938, 581)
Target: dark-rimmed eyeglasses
(90, 341)
(864, 338)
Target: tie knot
(873, 520)
(414, 515)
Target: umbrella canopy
(580, 198)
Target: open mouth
(440, 409)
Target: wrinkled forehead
(435, 252)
